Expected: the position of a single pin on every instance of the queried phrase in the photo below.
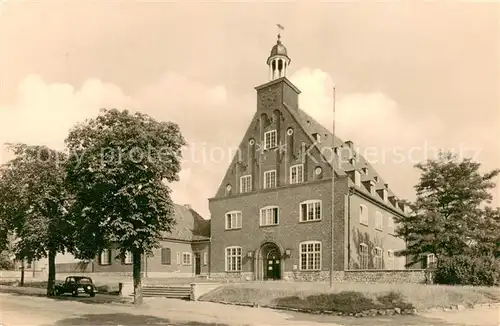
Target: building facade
(184, 252)
(276, 214)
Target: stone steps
(174, 292)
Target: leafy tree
(447, 217)
(117, 169)
(35, 204)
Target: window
(269, 216)
(186, 258)
(390, 260)
(431, 260)
(128, 258)
(379, 221)
(233, 220)
(390, 225)
(310, 256)
(270, 179)
(178, 258)
(363, 256)
(165, 256)
(205, 258)
(270, 139)
(363, 214)
(105, 258)
(310, 211)
(233, 259)
(378, 261)
(297, 174)
(246, 183)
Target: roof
(189, 225)
(327, 142)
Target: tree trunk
(22, 273)
(137, 275)
(52, 274)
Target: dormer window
(270, 139)
(365, 170)
(317, 137)
(375, 178)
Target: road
(22, 310)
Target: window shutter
(165, 256)
(205, 258)
(109, 256)
(178, 258)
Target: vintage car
(76, 285)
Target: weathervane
(280, 28)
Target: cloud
(213, 120)
(394, 139)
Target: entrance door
(273, 266)
(197, 263)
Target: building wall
(288, 234)
(176, 267)
(360, 233)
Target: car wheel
(92, 294)
(75, 293)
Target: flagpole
(333, 194)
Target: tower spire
(278, 61)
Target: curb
(365, 313)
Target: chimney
(370, 186)
(187, 206)
(383, 194)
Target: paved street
(20, 310)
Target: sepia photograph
(249, 163)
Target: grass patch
(352, 295)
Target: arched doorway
(271, 257)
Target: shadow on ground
(98, 299)
(125, 320)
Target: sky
(411, 77)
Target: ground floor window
(186, 258)
(390, 260)
(363, 256)
(310, 255)
(233, 259)
(378, 261)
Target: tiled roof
(189, 225)
(311, 126)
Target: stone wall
(232, 277)
(387, 276)
(321, 276)
(356, 276)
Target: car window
(70, 280)
(85, 281)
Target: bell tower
(278, 60)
